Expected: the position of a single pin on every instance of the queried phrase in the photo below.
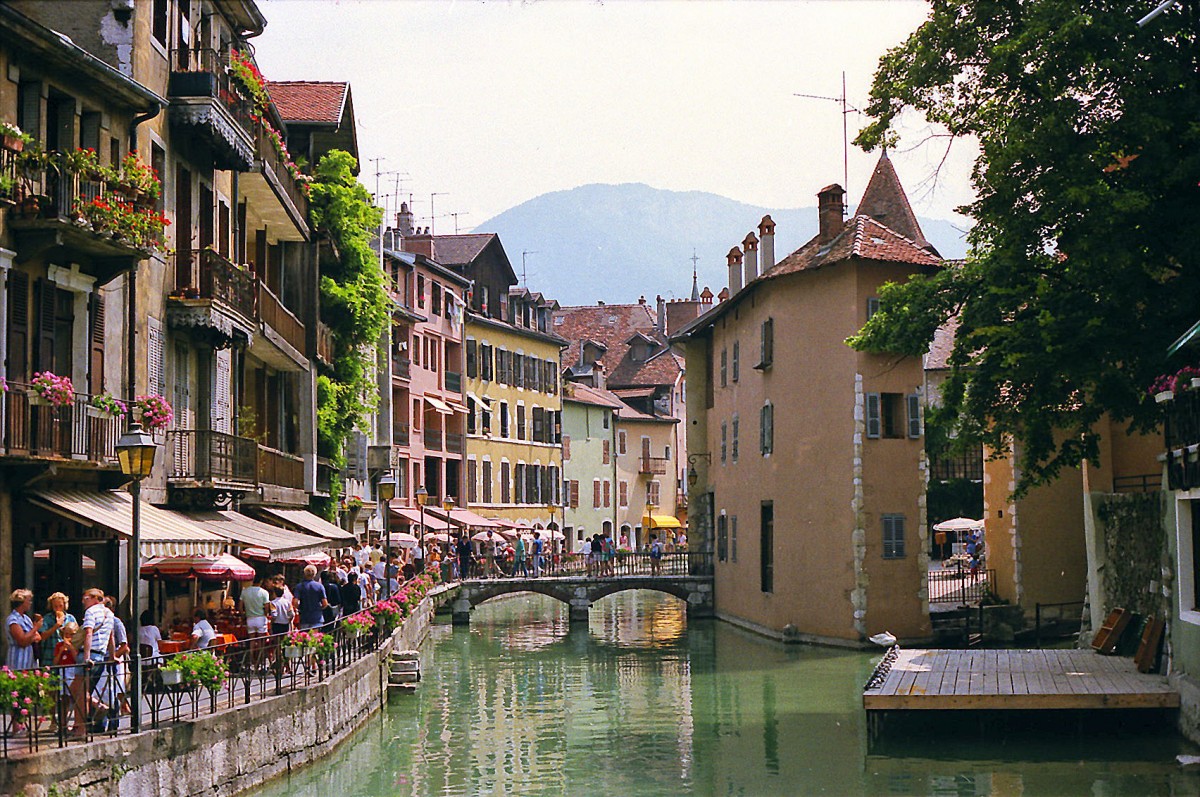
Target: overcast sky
(494, 103)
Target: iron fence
(961, 585)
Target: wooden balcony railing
(279, 468)
(401, 367)
(275, 315)
(653, 465)
(454, 443)
(433, 439)
(75, 431)
(324, 343)
(325, 474)
(270, 160)
(205, 457)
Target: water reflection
(642, 703)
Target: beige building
(809, 456)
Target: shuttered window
(96, 346)
(521, 484)
(18, 326)
(222, 403)
(767, 429)
(487, 482)
(155, 356)
(724, 366)
(766, 354)
(722, 538)
(566, 442)
(472, 481)
(575, 493)
(505, 483)
(914, 415)
(472, 359)
(607, 493)
(596, 493)
(606, 453)
(893, 536)
(733, 448)
(623, 493)
(521, 431)
(737, 359)
(874, 420)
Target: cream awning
(661, 522)
(439, 405)
(240, 529)
(306, 520)
(465, 518)
(163, 532)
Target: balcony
(453, 382)
(273, 174)
(433, 440)
(203, 458)
(400, 434)
(74, 432)
(207, 102)
(1181, 432)
(278, 318)
(401, 367)
(655, 466)
(454, 443)
(324, 344)
(280, 469)
(325, 474)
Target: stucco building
(809, 457)
(590, 423)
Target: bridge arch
(580, 593)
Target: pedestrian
(333, 598)
(351, 595)
(310, 600)
(537, 554)
(19, 633)
(360, 555)
(97, 633)
(656, 553)
(282, 612)
(519, 565)
(254, 602)
(418, 558)
(53, 623)
(462, 547)
(117, 674)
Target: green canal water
(642, 702)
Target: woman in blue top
(18, 629)
(57, 616)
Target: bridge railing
(624, 563)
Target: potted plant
(105, 405)
(172, 672)
(8, 190)
(51, 390)
(30, 693)
(299, 644)
(203, 669)
(155, 410)
(13, 139)
(358, 624)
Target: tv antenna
(432, 215)
(846, 109)
(456, 215)
(524, 277)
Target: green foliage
(1133, 536)
(1083, 265)
(353, 303)
(954, 498)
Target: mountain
(614, 243)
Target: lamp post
(385, 489)
(422, 499)
(448, 507)
(135, 452)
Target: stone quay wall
(223, 754)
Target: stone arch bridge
(579, 593)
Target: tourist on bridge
(656, 554)
(538, 547)
(462, 547)
(519, 564)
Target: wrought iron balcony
(454, 443)
(206, 100)
(207, 458)
(433, 439)
(401, 367)
(453, 382)
(77, 431)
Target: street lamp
(422, 499)
(385, 490)
(135, 452)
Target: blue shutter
(874, 423)
(914, 415)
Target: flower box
(14, 143)
(293, 652)
(171, 677)
(1164, 396)
(36, 400)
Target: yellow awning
(164, 533)
(660, 522)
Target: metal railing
(960, 585)
(272, 313)
(280, 468)
(1138, 483)
(401, 367)
(256, 669)
(453, 382)
(400, 433)
(74, 431)
(1181, 430)
(433, 439)
(454, 443)
(207, 274)
(204, 72)
(653, 465)
(206, 456)
(623, 564)
(324, 343)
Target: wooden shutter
(222, 400)
(472, 481)
(606, 453)
(596, 493)
(521, 491)
(539, 424)
(914, 415)
(96, 346)
(737, 359)
(566, 444)
(575, 493)
(472, 364)
(623, 493)
(521, 424)
(874, 422)
(155, 378)
(18, 326)
(607, 493)
(47, 294)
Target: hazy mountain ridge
(617, 242)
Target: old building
(589, 445)
(809, 459)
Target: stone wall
(229, 752)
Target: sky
(488, 104)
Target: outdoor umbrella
(320, 561)
(959, 524)
(210, 568)
(405, 540)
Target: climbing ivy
(1134, 548)
(354, 304)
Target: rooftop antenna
(382, 216)
(456, 215)
(432, 215)
(846, 109)
(524, 279)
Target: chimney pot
(734, 261)
(766, 226)
(750, 243)
(830, 210)
(751, 260)
(766, 232)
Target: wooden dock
(986, 680)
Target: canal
(644, 703)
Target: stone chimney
(831, 204)
(750, 245)
(706, 296)
(735, 270)
(766, 234)
(419, 243)
(404, 220)
(662, 315)
(723, 295)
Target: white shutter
(914, 415)
(155, 379)
(182, 398)
(222, 400)
(874, 423)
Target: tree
(1083, 264)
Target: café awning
(240, 529)
(464, 518)
(163, 532)
(661, 522)
(302, 518)
(413, 516)
(439, 405)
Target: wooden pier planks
(1016, 679)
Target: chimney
(723, 295)
(662, 315)
(830, 207)
(419, 243)
(404, 220)
(706, 296)
(641, 300)
(766, 234)
(751, 247)
(735, 270)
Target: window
(574, 495)
(471, 416)
(521, 483)
(893, 536)
(733, 539)
(539, 425)
(653, 493)
(486, 420)
(504, 419)
(472, 363)
(766, 440)
(158, 25)
(607, 493)
(737, 358)
(621, 441)
(420, 290)
(724, 366)
(472, 481)
(722, 538)
(766, 346)
(666, 452)
(872, 306)
(606, 454)
(505, 483)
(487, 481)
(521, 426)
(886, 415)
(485, 363)
(733, 452)
(724, 437)
(623, 493)
(767, 556)
(566, 443)
(605, 416)
(435, 301)
(596, 493)
(914, 415)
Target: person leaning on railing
(19, 633)
(97, 632)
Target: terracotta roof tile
(309, 101)
(885, 201)
(861, 237)
(613, 326)
(586, 394)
